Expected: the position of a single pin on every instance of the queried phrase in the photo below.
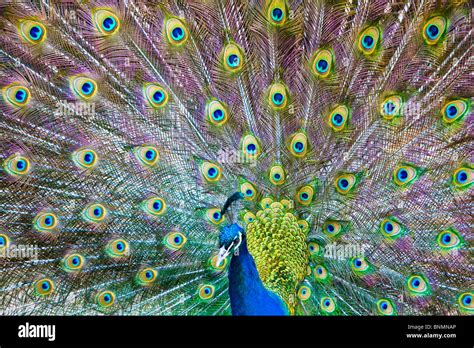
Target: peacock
(230, 157)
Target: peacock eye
(404, 175)
(16, 95)
(233, 58)
(250, 146)
(215, 216)
(332, 228)
(277, 12)
(154, 206)
(175, 240)
(463, 177)
(322, 63)
(344, 183)
(391, 107)
(44, 287)
(147, 155)
(17, 165)
(33, 32)
(417, 285)
(117, 248)
(45, 221)
(249, 191)
(106, 22)
(338, 118)
(83, 87)
(299, 145)
(146, 276)
(105, 298)
(449, 240)
(176, 31)
(73, 262)
(385, 307)
(435, 29)
(305, 195)
(94, 213)
(155, 95)
(455, 110)
(206, 292)
(278, 96)
(369, 40)
(211, 172)
(277, 175)
(85, 158)
(216, 112)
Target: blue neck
(248, 296)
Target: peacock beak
(223, 253)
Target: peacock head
(230, 239)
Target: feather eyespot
(45, 222)
(321, 273)
(211, 172)
(390, 228)
(154, 206)
(360, 266)
(405, 175)
(299, 145)
(417, 285)
(118, 248)
(278, 96)
(44, 287)
(277, 175)
(391, 107)
(385, 307)
(314, 249)
(277, 12)
(73, 262)
(216, 113)
(105, 21)
(339, 117)
(304, 293)
(85, 158)
(176, 31)
(148, 155)
(250, 146)
(17, 165)
(155, 95)
(33, 32)
(455, 110)
(249, 191)
(146, 276)
(332, 228)
(83, 87)
(206, 292)
(105, 298)
(327, 305)
(215, 216)
(304, 225)
(466, 302)
(249, 217)
(369, 39)
(449, 240)
(322, 63)
(435, 29)
(175, 240)
(94, 213)
(305, 195)
(233, 58)
(345, 183)
(4, 241)
(16, 95)
(463, 177)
